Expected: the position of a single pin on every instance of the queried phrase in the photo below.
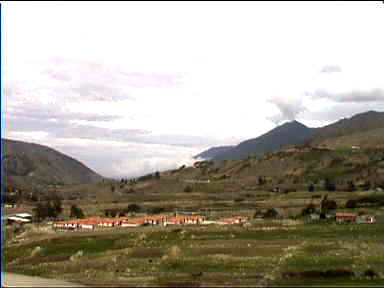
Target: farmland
(285, 250)
(263, 253)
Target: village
(93, 223)
(96, 223)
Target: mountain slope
(356, 124)
(373, 138)
(213, 152)
(33, 164)
(291, 133)
(295, 133)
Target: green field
(208, 255)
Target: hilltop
(296, 133)
(213, 152)
(29, 165)
(291, 133)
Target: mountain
(373, 138)
(295, 133)
(33, 164)
(213, 152)
(356, 124)
(291, 133)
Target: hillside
(292, 133)
(295, 133)
(356, 124)
(212, 152)
(368, 139)
(28, 164)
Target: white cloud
(184, 73)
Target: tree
(323, 206)
(40, 212)
(351, 186)
(156, 210)
(76, 212)
(113, 212)
(51, 213)
(188, 189)
(351, 203)
(133, 208)
(330, 205)
(157, 175)
(311, 208)
(57, 206)
(329, 185)
(271, 213)
(262, 180)
(113, 188)
(367, 186)
(311, 188)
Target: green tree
(57, 207)
(76, 212)
(40, 212)
(133, 208)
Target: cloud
(46, 112)
(328, 69)
(290, 108)
(355, 96)
(64, 127)
(116, 159)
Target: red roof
(346, 215)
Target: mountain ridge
(28, 163)
(296, 133)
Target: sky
(129, 88)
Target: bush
(351, 186)
(156, 210)
(311, 208)
(330, 205)
(270, 213)
(133, 208)
(351, 204)
(370, 273)
(188, 189)
(76, 212)
(329, 185)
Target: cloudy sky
(129, 88)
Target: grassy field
(265, 252)
(282, 252)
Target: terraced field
(266, 253)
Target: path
(17, 280)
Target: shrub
(133, 208)
(76, 212)
(329, 185)
(188, 189)
(351, 204)
(156, 210)
(370, 273)
(311, 208)
(351, 186)
(330, 205)
(340, 272)
(270, 213)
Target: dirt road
(17, 280)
